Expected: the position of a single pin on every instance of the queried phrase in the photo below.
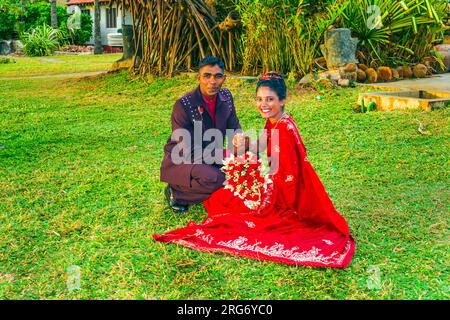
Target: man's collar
(209, 99)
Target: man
(189, 172)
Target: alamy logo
(73, 278)
(74, 20)
(374, 21)
(208, 147)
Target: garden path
(74, 74)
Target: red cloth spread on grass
(296, 223)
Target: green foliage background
(38, 14)
(284, 35)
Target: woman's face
(268, 103)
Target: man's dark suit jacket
(186, 110)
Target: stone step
(406, 100)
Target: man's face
(210, 79)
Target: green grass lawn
(57, 64)
(79, 185)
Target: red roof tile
(72, 2)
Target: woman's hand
(238, 140)
(240, 144)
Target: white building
(111, 18)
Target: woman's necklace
(284, 115)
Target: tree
(54, 19)
(10, 12)
(24, 9)
(97, 35)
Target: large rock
(420, 70)
(16, 45)
(371, 75)
(333, 75)
(307, 79)
(361, 75)
(384, 74)
(339, 48)
(5, 47)
(344, 83)
(348, 72)
(395, 74)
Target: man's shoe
(173, 204)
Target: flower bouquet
(244, 177)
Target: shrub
(38, 14)
(82, 35)
(41, 41)
(405, 32)
(5, 60)
(284, 35)
(8, 18)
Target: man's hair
(211, 61)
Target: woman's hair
(275, 82)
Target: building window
(111, 17)
(86, 11)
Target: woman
(296, 222)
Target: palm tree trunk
(97, 35)
(54, 18)
(24, 8)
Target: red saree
(296, 223)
